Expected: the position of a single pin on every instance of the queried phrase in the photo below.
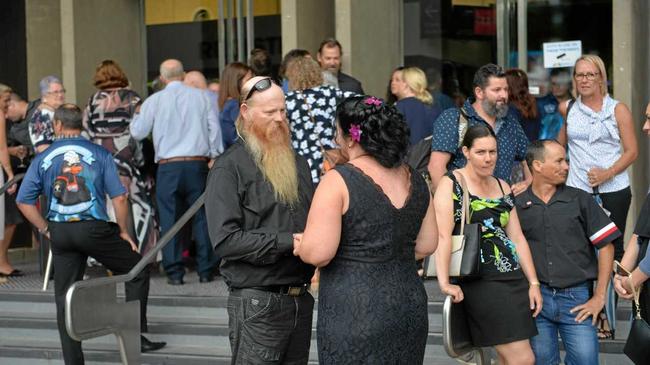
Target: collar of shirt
(472, 114)
(605, 112)
(528, 197)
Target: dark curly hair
(384, 132)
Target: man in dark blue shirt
(75, 175)
(489, 107)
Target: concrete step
(196, 329)
(187, 349)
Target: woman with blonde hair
(599, 134)
(311, 109)
(414, 101)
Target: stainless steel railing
(92, 308)
(455, 335)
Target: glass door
(586, 23)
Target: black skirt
(498, 311)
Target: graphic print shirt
(75, 175)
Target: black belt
(290, 290)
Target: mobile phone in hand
(620, 270)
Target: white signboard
(562, 54)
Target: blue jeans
(580, 339)
(179, 184)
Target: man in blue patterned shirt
(75, 176)
(489, 106)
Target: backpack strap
(463, 123)
(569, 105)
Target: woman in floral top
(501, 304)
(311, 109)
(106, 121)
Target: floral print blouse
(499, 258)
(312, 114)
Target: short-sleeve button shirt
(512, 142)
(75, 175)
(562, 234)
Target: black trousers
(269, 328)
(618, 203)
(71, 244)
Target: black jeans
(72, 243)
(269, 328)
(618, 203)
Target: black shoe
(206, 278)
(146, 345)
(171, 281)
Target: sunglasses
(261, 85)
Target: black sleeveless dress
(372, 306)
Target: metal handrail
(92, 309)
(14, 180)
(459, 344)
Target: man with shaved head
(196, 80)
(259, 192)
(186, 138)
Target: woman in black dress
(501, 304)
(368, 223)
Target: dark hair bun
(384, 132)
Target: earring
(350, 146)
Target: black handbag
(637, 346)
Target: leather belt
(180, 159)
(290, 290)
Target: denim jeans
(269, 328)
(580, 339)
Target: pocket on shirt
(259, 198)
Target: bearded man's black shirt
(250, 230)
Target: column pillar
(305, 23)
(630, 74)
(68, 38)
(371, 33)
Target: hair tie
(371, 100)
(355, 132)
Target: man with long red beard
(259, 193)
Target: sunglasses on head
(261, 85)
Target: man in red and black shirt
(564, 227)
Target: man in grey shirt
(186, 138)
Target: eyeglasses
(590, 76)
(261, 85)
(57, 92)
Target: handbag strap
(637, 295)
(464, 215)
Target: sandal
(604, 331)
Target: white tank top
(594, 141)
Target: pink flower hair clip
(371, 100)
(355, 132)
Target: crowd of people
(546, 180)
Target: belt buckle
(295, 291)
